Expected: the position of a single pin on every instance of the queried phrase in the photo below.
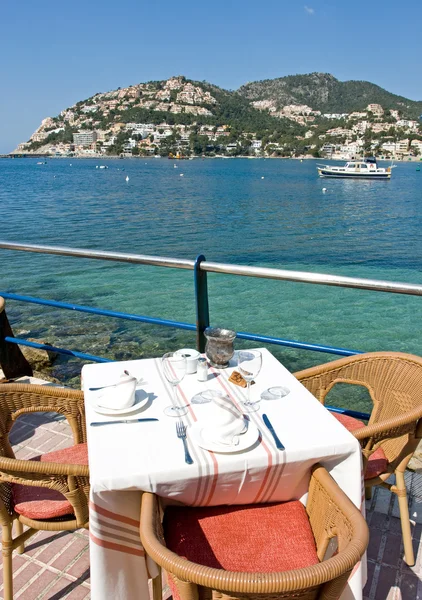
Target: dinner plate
(141, 399)
(246, 440)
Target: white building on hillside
(413, 125)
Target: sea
(263, 212)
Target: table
(128, 459)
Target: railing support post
(201, 303)
(12, 361)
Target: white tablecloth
(127, 459)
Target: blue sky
(56, 53)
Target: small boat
(365, 168)
(103, 167)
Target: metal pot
(219, 348)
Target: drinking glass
(249, 364)
(174, 369)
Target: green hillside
(323, 92)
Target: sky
(56, 53)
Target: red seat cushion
(377, 462)
(350, 423)
(258, 538)
(42, 503)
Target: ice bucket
(219, 347)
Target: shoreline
(415, 159)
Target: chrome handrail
(229, 269)
(159, 261)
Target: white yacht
(365, 168)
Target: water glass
(249, 364)
(174, 369)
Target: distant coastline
(181, 118)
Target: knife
(99, 423)
(273, 433)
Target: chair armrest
(22, 398)
(332, 514)
(31, 469)
(390, 428)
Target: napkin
(121, 395)
(225, 423)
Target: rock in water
(38, 358)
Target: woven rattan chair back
(70, 480)
(331, 514)
(394, 382)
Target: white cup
(191, 359)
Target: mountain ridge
(322, 91)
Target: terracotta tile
(375, 538)
(54, 546)
(78, 593)
(409, 586)
(53, 443)
(43, 580)
(69, 554)
(64, 587)
(36, 545)
(20, 579)
(80, 567)
(23, 434)
(392, 551)
(394, 526)
(377, 520)
(386, 581)
(23, 453)
(371, 570)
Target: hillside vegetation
(324, 92)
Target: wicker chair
(328, 514)
(46, 492)
(394, 382)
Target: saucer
(276, 392)
(246, 440)
(141, 399)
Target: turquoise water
(253, 212)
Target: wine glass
(174, 369)
(249, 364)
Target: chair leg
(7, 549)
(157, 586)
(400, 490)
(19, 530)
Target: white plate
(246, 440)
(141, 399)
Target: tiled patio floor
(56, 565)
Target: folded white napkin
(225, 423)
(121, 395)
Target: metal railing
(200, 266)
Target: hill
(176, 102)
(323, 92)
(279, 117)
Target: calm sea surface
(251, 212)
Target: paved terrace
(56, 565)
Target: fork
(181, 433)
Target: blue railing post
(201, 303)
